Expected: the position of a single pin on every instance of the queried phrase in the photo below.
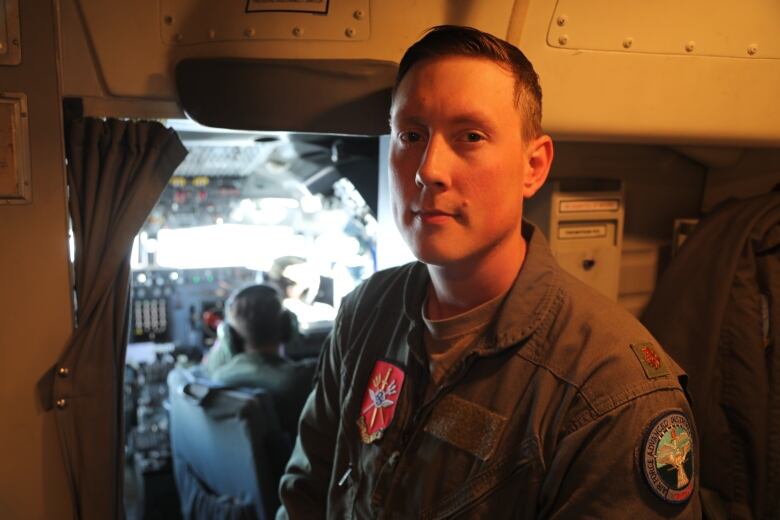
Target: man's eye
(474, 137)
(410, 137)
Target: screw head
(63, 372)
(563, 39)
(61, 404)
(561, 21)
(350, 32)
(690, 46)
(249, 32)
(212, 34)
(752, 49)
(358, 14)
(178, 37)
(168, 19)
(297, 31)
(627, 43)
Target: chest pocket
(466, 425)
(479, 431)
(501, 488)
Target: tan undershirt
(447, 340)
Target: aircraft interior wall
(35, 295)
(750, 172)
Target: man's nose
(434, 168)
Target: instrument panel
(182, 306)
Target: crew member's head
(295, 278)
(466, 145)
(256, 320)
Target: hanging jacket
(716, 310)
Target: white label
(574, 206)
(595, 231)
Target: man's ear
(539, 155)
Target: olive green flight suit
(556, 413)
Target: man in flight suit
(483, 381)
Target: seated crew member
(483, 381)
(299, 283)
(251, 351)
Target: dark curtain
(116, 172)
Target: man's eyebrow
(471, 118)
(465, 119)
(406, 119)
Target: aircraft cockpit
(243, 208)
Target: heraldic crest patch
(380, 400)
(667, 455)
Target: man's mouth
(433, 216)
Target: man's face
(457, 160)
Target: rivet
(168, 19)
(63, 372)
(212, 34)
(178, 37)
(297, 31)
(561, 21)
(358, 14)
(690, 46)
(350, 32)
(752, 49)
(249, 32)
(627, 43)
(61, 404)
(15, 41)
(563, 39)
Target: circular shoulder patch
(667, 457)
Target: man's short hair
(453, 40)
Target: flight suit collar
(528, 301)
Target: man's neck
(457, 289)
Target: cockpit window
(239, 203)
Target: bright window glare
(227, 245)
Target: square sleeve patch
(650, 359)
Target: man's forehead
(468, 89)
(416, 115)
(461, 60)
(458, 73)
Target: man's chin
(434, 257)
(436, 249)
